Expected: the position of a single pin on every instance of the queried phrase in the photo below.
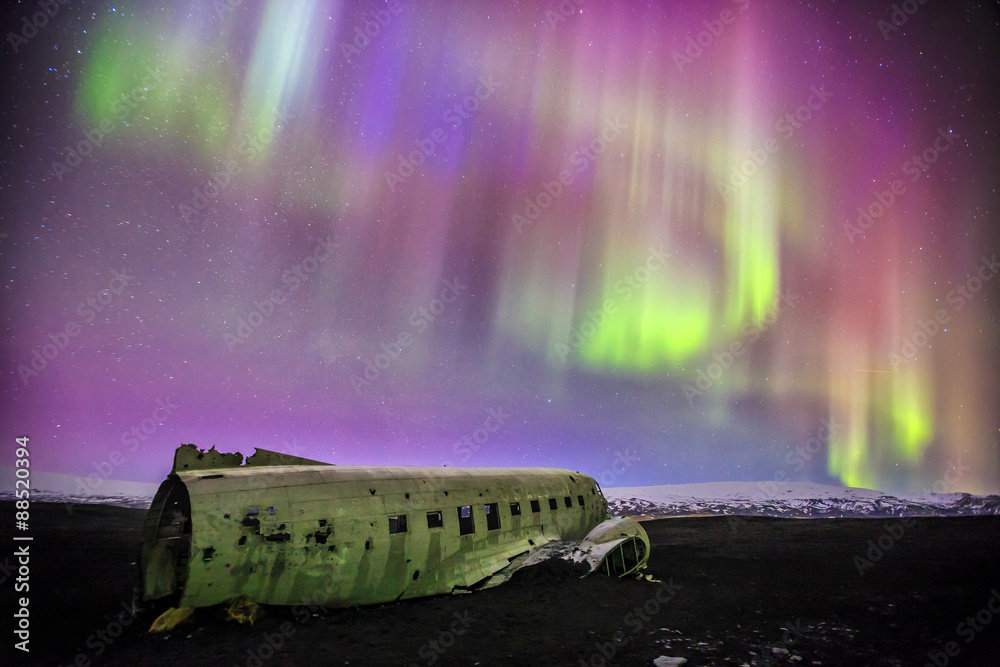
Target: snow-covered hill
(795, 499)
(54, 487)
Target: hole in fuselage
(166, 542)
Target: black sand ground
(735, 591)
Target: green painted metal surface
(285, 530)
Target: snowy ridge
(119, 500)
(798, 500)
(54, 487)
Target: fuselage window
(515, 509)
(466, 522)
(553, 505)
(397, 523)
(569, 502)
(435, 519)
(579, 499)
(535, 506)
(492, 516)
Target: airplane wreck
(284, 530)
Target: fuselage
(350, 535)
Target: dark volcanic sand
(741, 588)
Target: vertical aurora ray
(751, 226)
(851, 394)
(674, 316)
(751, 254)
(283, 65)
(645, 319)
(912, 408)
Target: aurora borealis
(690, 236)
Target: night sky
(656, 242)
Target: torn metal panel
(189, 457)
(280, 529)
(616, 547)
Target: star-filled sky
(657, 242)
